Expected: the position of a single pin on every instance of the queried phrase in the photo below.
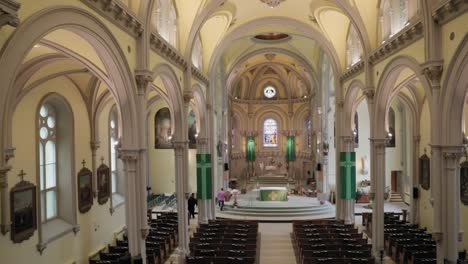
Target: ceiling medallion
(272, 3)
(270, 56)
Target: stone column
(212, 148)
(94, 147)
(347, 206)
(450, 196)
(133, 213)
(414, 206)
(377, 153)
(203, 205)
(5, 206)
(180, 150)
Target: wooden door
(394, 181)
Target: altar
(273, 194)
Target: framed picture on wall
(103, 181)
(425, 172)
(464, 183)
(23, 211)
(85, 190)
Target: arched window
(391, 128)
(396, 15)
(48, 161)
(308, 131)
(353, 47)
(116, 166)
(55, 134)
(165, 20)
(356, 128)
(113, 142)
(270, 133)
(197, 53)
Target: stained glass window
(114, 135)
(270, 133)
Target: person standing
(192, 201)
(220, 197)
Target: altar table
(273, 194)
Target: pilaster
(378, 146)
(203, 205)
(5, 207)
(348, 204)
(94, 147)
(180, 151)
(133, 208)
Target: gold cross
(273, 196)
(21, 175)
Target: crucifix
(22, 174)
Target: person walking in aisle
(192, 201)
(220, 197)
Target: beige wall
(97, 225)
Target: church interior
(233, 131)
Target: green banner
(204, 189)
(250, 148)
(290, 149)
(348, 175)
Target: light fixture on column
(272, 3)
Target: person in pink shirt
(220, 197)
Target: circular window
(269, 92)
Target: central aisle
(276, 245)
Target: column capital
(417, 139)
(9, 154)
(95, 145)
(180, 146)
(143, 77)
(379, 142)
(188, 96)
(433, 72)
(369, 92)
(128, 154)
(202, 141)
(340, 104)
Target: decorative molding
(188, 96)
(280, 101)
(128, 154)
(448, 10)
(143, 78)
(270, 56)
(9, 13)
(202, 141)
(76, 229)
(433, 72)
(95, 145)
(163, 48)
(180, 146)
(272, 3)
(266, 154)
(352, 71)
(401, 40)
(200, 76)
(9, 154)
(117, 13)
(369, 92)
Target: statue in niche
(220, 148)
(192, 130)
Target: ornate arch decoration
(259, 77)
(455, 84)
(161, 94)
(307, 30)
(386, 87)
(309, 74)
(200, 105)
(279, 114)
(351, 102)
(169, 79)
(90, 28)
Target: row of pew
(161, 241)
(225, 242)
(330, 241)
(405, 243)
